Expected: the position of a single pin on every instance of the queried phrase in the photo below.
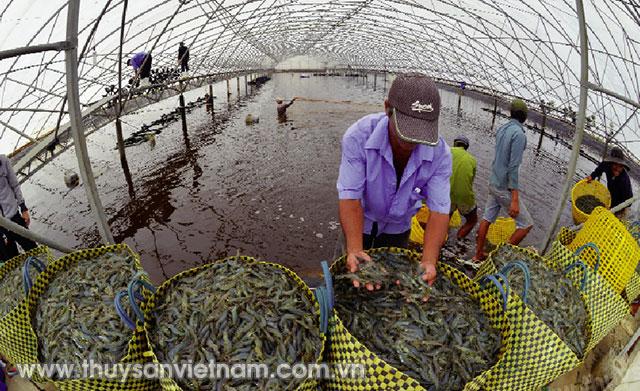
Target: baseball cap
(416, 107)
(462, 139)
(519, 105)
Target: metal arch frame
(241, 40)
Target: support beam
(25, 233)
(599, 88)
(183, 113)
(77, 128)
(15, 130)
(580, 122)
(47, 47)
(30, 110)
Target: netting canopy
(527, 48)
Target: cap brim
(616, 160)
(416, 130)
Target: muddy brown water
(267, 190)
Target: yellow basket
(417, 232)
(596, 189)
(619, 250)
(501, 230)
(141, 336)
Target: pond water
(266, 190)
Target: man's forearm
(434, 236)
(515, 195)
(352, 221)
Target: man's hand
(26, 218)
(514, 209)
(353, 260)
(588, 179)
(430, 272)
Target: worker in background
(504, 189)
(282, 108)
(141, 63)
(183, 57)
(463, 198)
(12, 207)
(618, 182)
(392, 161)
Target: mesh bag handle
(593, 246)
(493, 278)
(324, 296)
(26, 278)
(120, 310)
(137, 281)
(585, 270)
(506, 270)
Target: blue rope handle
(27, 283)
(120, 310)
(585, 246)
(328, 283)
(568, 269)
(323, 300)
(131, 290)
(494, 279)
(527, 276)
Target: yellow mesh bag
(344, 348)
(619, 250)
(141, 336)
(43, 253)
(605, 307)
(19, 344)
(501, 230)
(596, 189)
(417, 232)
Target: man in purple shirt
(141, 63)
(392, 161)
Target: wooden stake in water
(544, 125)
(495, 112)
(228, 90)
(375, 81)
(213, 114)
(183, 114)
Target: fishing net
(619, 251)
(13, 280)
(344, 348)
(605, 307)
(19, 344)
(144, 335)
(583, 188)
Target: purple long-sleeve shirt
(138, 59)
(367, 174)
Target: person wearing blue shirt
(504, 190)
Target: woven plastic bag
(19, 344)
(42, 253)
(605, 307)
(583, 188)
(534, 356)
(141, 336)
(501, 230)
(619, 251)
(345, 349)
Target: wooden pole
(213, 115)
(375, 81)
(228, 90)
(238, 85)
(544, 125)
(183, 113)
(495, 112)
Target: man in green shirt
(463, 198)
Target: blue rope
(323, 300)
(121, 312)
(527, 276)
(584, 269)
(586, 246)
(27, 283)
(131, 290)
(328, 282)
(505, 297)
